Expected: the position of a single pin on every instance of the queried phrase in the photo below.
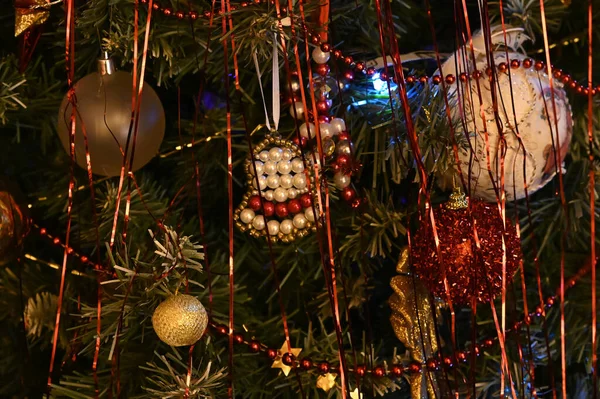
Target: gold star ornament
(278, 362)
(326, 381)
(355, 394)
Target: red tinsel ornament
(473, 271)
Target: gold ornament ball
(103, 103)
(180, 320)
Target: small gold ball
(180, 320)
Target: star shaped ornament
(355, 394)
(278, 362)
(326, 381)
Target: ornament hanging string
(70, 65)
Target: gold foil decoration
(278, 362)
(30, 13)
(180, 320)
(356, 394)
(326, 381)
(411, 306)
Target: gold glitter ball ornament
(180, 320)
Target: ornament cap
(106, 65)
(458, 200)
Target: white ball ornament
(299, 107)
(297, 165)
(341, 180)
(269, 195)
(319, 56)
(309, 214)
(286, 226)
(326, 130)
(300, 221)
(264, 156)
(287, 155)
(247, 215)
(338, 125)
(280, 194)
(286, 181)
(299, 181)
(533, 112)
(284, 167)
(292, 193)
(270, 167)
(262, 182)
(273, 227)
(259, 168)
(308, 130)
(273, 181)
(259, 222)
(275, 154)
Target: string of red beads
(361, 67)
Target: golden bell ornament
(180, 320)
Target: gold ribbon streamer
(413, 323)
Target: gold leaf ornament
(412, 319)
(29, 13)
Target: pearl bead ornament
(299, 181)
(299, 110)
(273, 227)
(341, 180)
(270, 167)
(259, 168)
(264, 156)
(338, 125)
(326, 130)
(297, 165)
(308, 130)
(300, 221)
(280, 194)
(286, 226)
(275, 154)
(286, 181)
(284, 167)
(269, 195)
(247, 215)
(309, 214)
(319, 56)
(259, 222)
(273, 181)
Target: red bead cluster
(281, 209)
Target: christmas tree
(273, 199)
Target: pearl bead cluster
(277, 174)
(335, 141)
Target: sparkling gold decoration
(458, 200)
(180, 320)
(278, 362)
(356, 394)
(29, 13)
(411, 306)
(326, 381)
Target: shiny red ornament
(268, 208)
(306, 364)
(238, 338)
(294, 206)
(343, 136)
(288, 359)
(281, 210)
(324, 118)
(271, 353)
(432, 365)
(343, 160)
(305, 200)
(379, 372)
(361, 370)
(471, 273)
(397, 370)
(323, 367)
(356, 203)
(323, 106)
(255, 346)
(349, 75)
(84, 259)
(414, 368)
(322, 69)
(254, 202)
(348, 194)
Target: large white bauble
(535, 124)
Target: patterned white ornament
(532, 120)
